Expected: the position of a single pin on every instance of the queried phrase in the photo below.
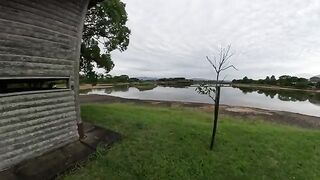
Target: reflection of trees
(117, 88)
(175, 85)
(260, 92)
(293, 95)
(108, 90)
(315, 99)
(146, 87)
(121, 88)
(284, 98)
(285, 95)
(246, 90)
(271, 94)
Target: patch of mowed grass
(172, 143)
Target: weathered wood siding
(35, 123)
(39, 38)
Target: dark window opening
(34, 84)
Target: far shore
(282, 117)
(100, 86)
(261, 86)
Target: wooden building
(39, 63)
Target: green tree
(301, 85)
(302, 80)
(245, 79)
(92, 78)
(134, 80)
(273, 80)
(267, 80)
(104, 27)
(121, 78)
(285, 80)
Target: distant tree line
(178, 81)
(173, 79)
(105, 79)
(284, 80)
(108, 79)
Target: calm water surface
(293, 101)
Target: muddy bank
(282, 117)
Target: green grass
(172, 143)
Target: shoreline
(98, 86)
(258, 86)
(282, 117)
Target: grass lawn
(172, 143)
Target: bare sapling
(220, 63)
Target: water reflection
(285, 95)
(175, 85)
(120, 88)
(283, 100)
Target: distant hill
(315, 78)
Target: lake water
(292, 101)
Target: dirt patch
(281, 117)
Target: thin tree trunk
(216, 113)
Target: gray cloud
(172, 38)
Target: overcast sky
(172, 38)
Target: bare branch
(221, 62)
(212, 97)
(221, 54)
(231, 66)
(229, 56)
(224, 78)
(213, 65)
(215, 59)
